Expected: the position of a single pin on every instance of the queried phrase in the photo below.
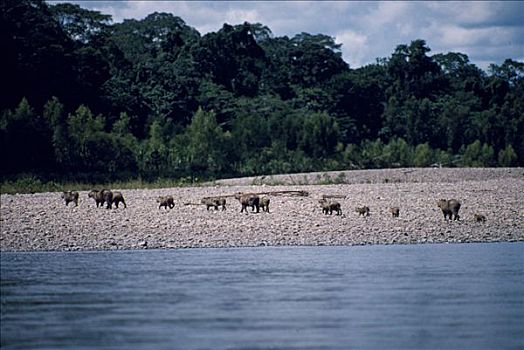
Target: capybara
(101, 197)
(264, 203)
(166, 201)
(395, 211)
(210, 202)
(450, 208)
(248, 200)
(98, 196)
(117, 198)
(328, 207)
(70, 196)
(364, 211)
(479, 217)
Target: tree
(125, 144)
(319, 135)
(373, 154)
(398, 153)
(38, 61)
(231, 58)
(267, 104)
(460, 73)
(80, 24)
(25, 140)
(360, 102)
(423, 155)
(153, 153)
(507, 157)
(511, 71)
(478, 154)
(205, 145)
(84, 131)
(55, 115)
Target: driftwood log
(274, 193)
(326, 196)
(290, 193)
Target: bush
(477, 154)
(423, 155)
(507, 157)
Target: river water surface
(464, 296)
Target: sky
(486, 31)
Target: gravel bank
(42, 221)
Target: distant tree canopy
(84, 98)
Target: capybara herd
(107, 196)
(450, 208)
(328, 207)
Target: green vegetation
(87, 101)
(31, 184)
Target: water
(468, 296)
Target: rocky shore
(42, 221)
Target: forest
(86, 99)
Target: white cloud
(240, 16)
(354, 47)
(386, 14)
(454, 36)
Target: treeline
(85, 99)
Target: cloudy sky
(487, 31)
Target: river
(432, 296)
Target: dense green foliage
(88, 100)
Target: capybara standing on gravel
(450, 208)
(166, 201)
(214, 202)
(364, 211)
(210, 202)
(479, 217)
(248, 200)
(395, 211)
(108, 198)
(70, 196)
(117, 198)
(328, 207)
(101, 197)
(98, 196)
(222, 202)
(264, 203)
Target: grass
(320, 179)
(32, 184)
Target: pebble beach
(42, 221)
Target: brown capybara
(395, 211)
(210, 202)
(248, 200)
(264, 203)
(450, 208)
(166, 201)
(70, 196)
(118, 198)
(479, 217)
(328, 207)
(362, 211)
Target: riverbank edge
(41, 222)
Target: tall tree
(205, 144)
(38, 53)
(25, 140)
